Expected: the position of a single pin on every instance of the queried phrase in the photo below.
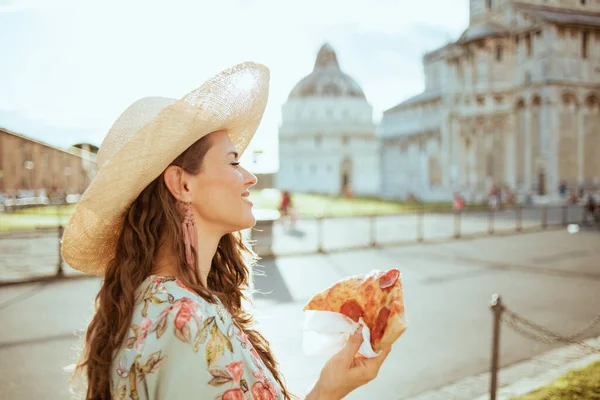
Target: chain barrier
(538, 333)
(502, 315)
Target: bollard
(320, 234)
(457, 219)
(59, 268)
(373, 230)
(491, 221)
(497, 309)
(519, 218)
(420, 217)
(545, 216)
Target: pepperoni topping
(389, 278)
(380, 325)
(352, 310)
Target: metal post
(373, 230)
(565, 215)
(420, 218)
(497, 309)
(59, 268)
(457, 220)
(320, 234)
(545, 216)
(491, 221)
(519, 216)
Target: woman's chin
(249, 221)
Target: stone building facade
(327, 140)
(29, 168)
(513, 103)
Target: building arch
(569, 100)
(592, 102)
(346, 176)
(520, 103)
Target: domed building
(327, 141)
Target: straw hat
(143, 142)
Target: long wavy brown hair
(156, 210)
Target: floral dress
(181, 347)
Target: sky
(68, 69)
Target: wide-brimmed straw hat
(143, 142)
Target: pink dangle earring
(190, 233)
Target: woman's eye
(235, 164)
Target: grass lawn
(36, 217)
(580, 384)
(312, 205)
(307, 205)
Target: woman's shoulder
(165, 307)
(163, 294)
(164, 286)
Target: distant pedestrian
(458, 202)
(493, 198)
(562, 189)
(286, 208)
(591, 209)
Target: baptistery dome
(327, 79)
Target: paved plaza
(551, 277)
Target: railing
(331, 234)
(35, 254)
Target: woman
(161, 222)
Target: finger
(348, 352)
(385, 352)
(376, 362)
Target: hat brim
(233, 101)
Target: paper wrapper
(326, 332)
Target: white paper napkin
(326, 332)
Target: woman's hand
(346, 371)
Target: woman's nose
(251, 179)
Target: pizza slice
(375, 297)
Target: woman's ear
(174, 178)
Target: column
(445, 150)
(457, 154)
(528, 148)
(580, 143)
(509, 165)
(471, 163)
(552, 139)
(546, 123)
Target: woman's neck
(207, 248)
